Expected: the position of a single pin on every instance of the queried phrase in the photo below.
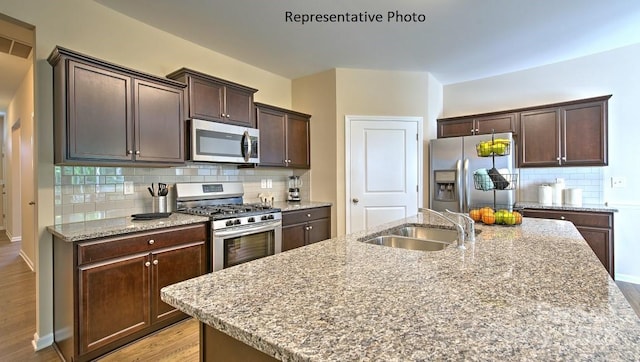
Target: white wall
(614, 72)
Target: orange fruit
(475, 214)
(518, 217)
(489, 219)
(486, 211)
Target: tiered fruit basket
(496, 215)
(494, 180)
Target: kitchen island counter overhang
(534, 291)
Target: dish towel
(482, 179)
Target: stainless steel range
(240, 232)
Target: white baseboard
(12, 238)
(27, 260)
(41, 342)
(627, 278)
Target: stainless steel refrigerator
(453, 162)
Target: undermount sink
(409, 243)
(427, 233)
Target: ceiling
(459, 40)
(16, 39)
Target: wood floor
(176, 343)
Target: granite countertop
(584, 207)
(79, 231)
(529, 292)
(301, 205)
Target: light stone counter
(293, 206)
(530, 292)
(584, 207)
(78, 231)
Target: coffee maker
(294, 188)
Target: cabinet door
(113, 300)
(584, 131)
(539, 138)
(239, 107)
(99, 114)
(318, 230)
(206, 99)
(171, 266)
(600, 242)
(455, 128)
(271, 124)
(496, 123)
(298, 145)
(158, 123)
(293, 236)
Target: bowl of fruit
(496, 216)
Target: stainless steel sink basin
(410, 243)
(427, 233)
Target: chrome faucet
(459, 228)
(470, 232)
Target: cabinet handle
(228, 116)
(477, 130)
(155, 262)
(147, 264)
(310, 227)
(308, 215)
(564, 158)
(562, 218)
(223, 115)
(137, 152)
(130, 152)
(151, 241)
(558, 159)
(306, 228)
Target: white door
(383, 169)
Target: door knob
(355, 200)
(32, 202)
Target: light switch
(269, 183)
(263, 184)
(618, 182)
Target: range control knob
(251, 219)
(264, 217)
(236, 222)
(270, 217)
(229, 223)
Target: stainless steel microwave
(220, 142)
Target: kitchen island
(530, 292)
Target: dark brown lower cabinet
(304, 227)
(107, 291)
(595, 227)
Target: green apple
(499, 148)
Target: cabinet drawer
(299, 216)
(107, 248)
(578, 218)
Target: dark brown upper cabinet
(477, 124)
(284, 137)
(568, 134)
(108, 114)
(214, 99)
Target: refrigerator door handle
(459, 185)
(467, 186)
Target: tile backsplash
(589, 179)
(84, 193)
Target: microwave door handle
(246, 143)
(243, 232)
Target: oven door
(240, 245)
(219, 142)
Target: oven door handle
(247, 231)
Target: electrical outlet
(618, 182)
(128, 188)
(263, 184)
(269, 183)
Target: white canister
(545, 195)
(557, 192)
(573, 197)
